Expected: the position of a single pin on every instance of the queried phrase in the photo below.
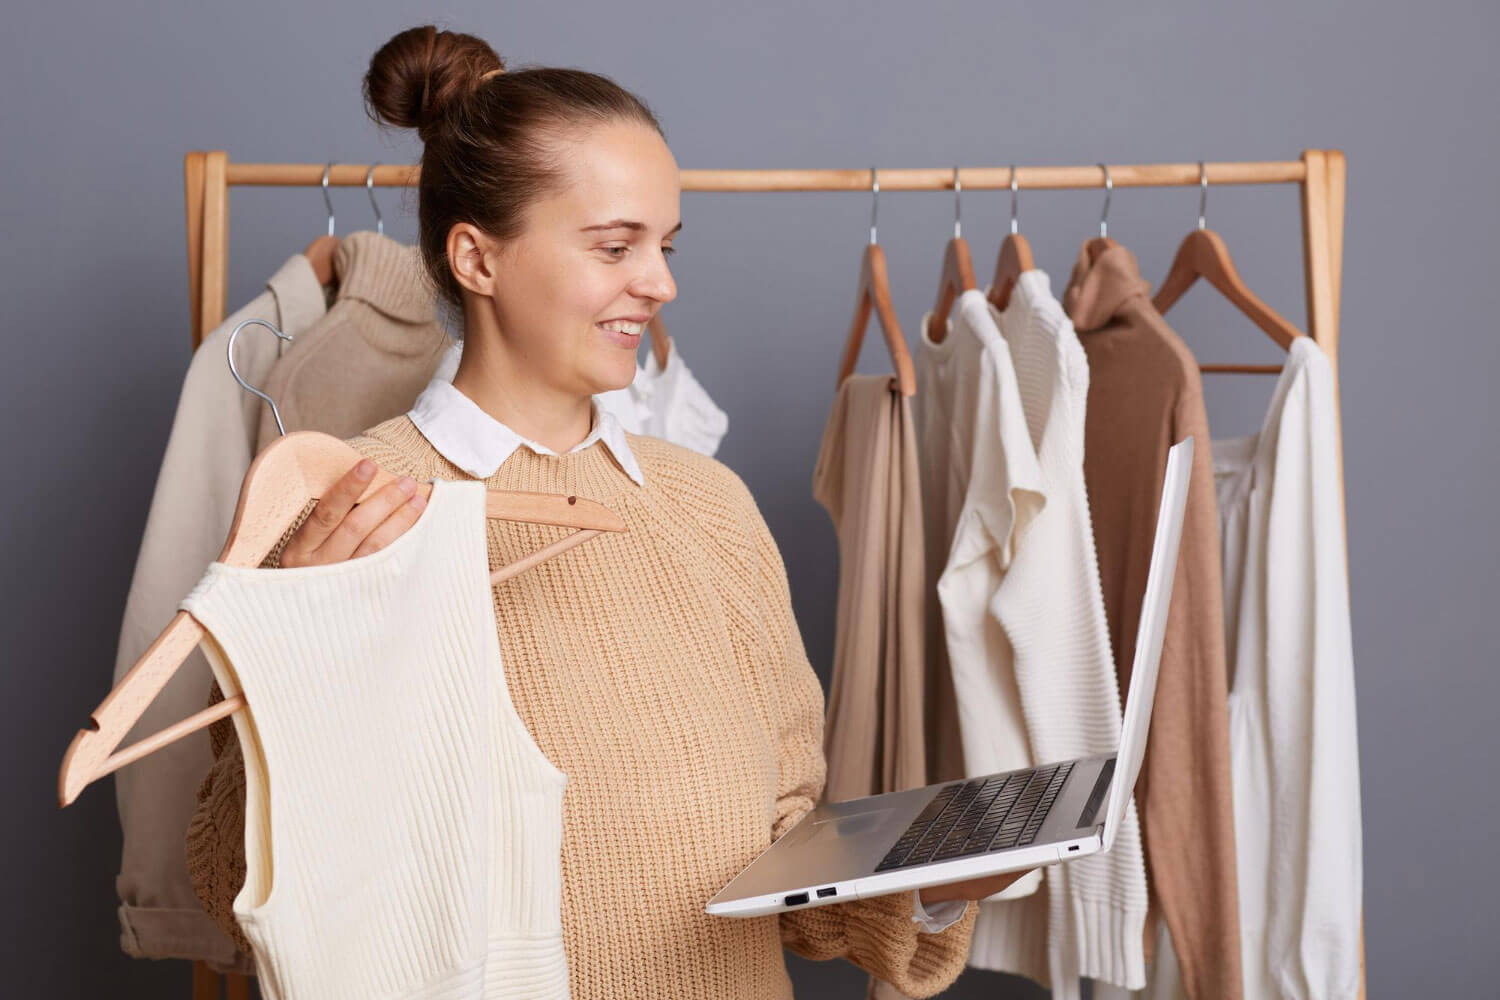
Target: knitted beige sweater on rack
(662, 670)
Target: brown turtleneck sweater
(1145, 394)
(663, 671)
(369, 356)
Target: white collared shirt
(476, 442)
(663, 402)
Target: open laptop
(979, 826)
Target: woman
(660, 668)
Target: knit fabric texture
(660, 668)
(402, 830)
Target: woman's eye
(620, 252)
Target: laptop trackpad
(848, 826)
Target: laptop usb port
(827, 891)
(795, 899)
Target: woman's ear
(471, 255)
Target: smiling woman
(661, 668)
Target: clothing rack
(1318, 173)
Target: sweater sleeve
(1184, 790)
(879, 934)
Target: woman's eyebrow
(626, 224)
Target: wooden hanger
(661, 344)
(1015, 255)
(319, 254)
(1204, 255)
(293, 470)
(875, 292)
(956, 276)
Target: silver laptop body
(970, 828)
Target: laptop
(974, 827)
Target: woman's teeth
(621, 326)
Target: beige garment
(867, 479)
(686, 716)
(370, 356)
(1145, 393)
(210, 447)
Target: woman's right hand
(340, 529)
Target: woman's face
(572, 295)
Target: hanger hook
(246, 385)
(875, 200)
(370, 190)
(327, 201)
(1203, 195)
(958, 223)
(1014, 198)
(1109, 190)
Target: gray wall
(99, 104)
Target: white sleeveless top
(402, 829)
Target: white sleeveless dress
(402, 829)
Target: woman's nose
(656, 281)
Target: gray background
(100, 103)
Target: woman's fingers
(364, 518)
(340, 527)
(974, 888)
(393, 527)
(328, 513)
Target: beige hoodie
(1145, 393)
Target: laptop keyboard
(974, 817)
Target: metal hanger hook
(875, 201)
(1109, 190)
(1015, 226)
(327, 201)
(370, 190)
(240, 379)
(1203, 195)
(958, 222)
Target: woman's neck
(527, 406)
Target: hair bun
(416, 76)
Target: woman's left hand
(974, 888)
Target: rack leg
(205, 982)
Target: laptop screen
(1148, 638)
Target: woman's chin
(612, 376)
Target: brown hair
(490, 137)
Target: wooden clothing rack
(1318, 173)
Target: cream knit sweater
(663, 671)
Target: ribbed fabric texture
(662, 670)
(1053, 610)
(402, 830)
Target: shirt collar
(479, 444)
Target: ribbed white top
(402, 829)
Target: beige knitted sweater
(663, 671)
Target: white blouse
(667, 403)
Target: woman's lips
(620, 338)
